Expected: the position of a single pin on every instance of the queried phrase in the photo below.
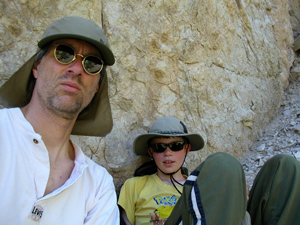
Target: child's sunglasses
(161, 147)
(65, 54)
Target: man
(214, 193)
(44, 177)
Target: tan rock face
(219, 66)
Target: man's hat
(168, 127)
(96, 120)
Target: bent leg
(221, 186)
(275, 195)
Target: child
(151, 198)
(215, 192)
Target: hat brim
(108, 56)
(140, 144)
(96, 120)
(74, 27)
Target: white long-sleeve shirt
(88, 197)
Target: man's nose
(76, 66)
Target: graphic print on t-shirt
(164, 209)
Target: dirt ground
(281, 136)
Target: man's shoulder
(97, 173)
(93, 166)
(8, 111)
(82, 158)
(4, 111)
(9, 116)
(92, 169)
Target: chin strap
(171, 175)
(172, 178)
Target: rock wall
(220, 66)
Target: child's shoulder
(140, 182)
(137, 180)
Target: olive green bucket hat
(96, 119)
(168, 127)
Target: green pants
(220, 190)
(275, 195)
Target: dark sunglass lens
(158, 147)
(64, 54)
(176, 146)
(92, 64)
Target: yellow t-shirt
(147, 200)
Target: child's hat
(168, 127)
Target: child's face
(169, 161)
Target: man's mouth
(70, 86)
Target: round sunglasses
(65, 54)
(161, 147)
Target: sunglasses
(65, 54)
(161, 147)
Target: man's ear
(35, 69)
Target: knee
(284, 161)
(224, 162)
(281, 171)
(223, 158)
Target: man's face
(65, 89)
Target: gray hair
(31, 82)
